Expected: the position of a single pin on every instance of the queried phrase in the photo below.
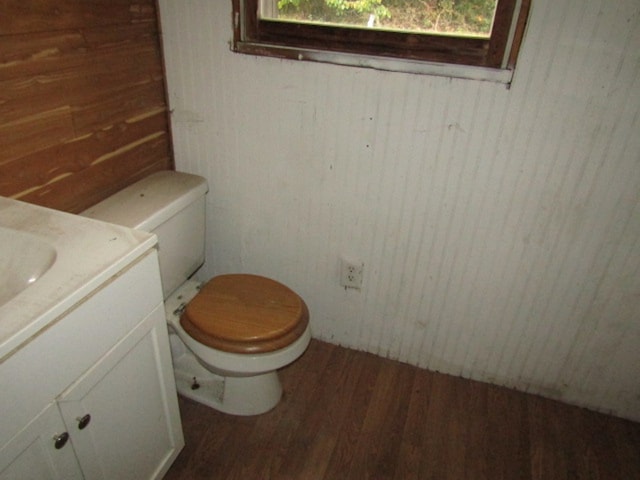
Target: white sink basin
(24, 258)
(50, 261)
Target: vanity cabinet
(93, 396)
(32, 453)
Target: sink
(51, 261)
(24, 258)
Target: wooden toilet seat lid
(243, 313)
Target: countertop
(89, 253)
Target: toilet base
(248, 395)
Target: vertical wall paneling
(82, 100)
(499, 227)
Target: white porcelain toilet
(230, 335)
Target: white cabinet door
(32, 453)
(134, 431)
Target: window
(363, 32)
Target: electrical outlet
(351, 274)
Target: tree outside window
(479, 33)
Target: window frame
(381, 48)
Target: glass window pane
(444, 17)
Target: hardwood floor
(352, 415)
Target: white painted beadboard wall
(499, 228)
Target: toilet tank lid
(151, 201)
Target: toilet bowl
(230, 335)
(231, 382)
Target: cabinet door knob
(60, 441)
(83, 421)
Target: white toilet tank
(171, 205)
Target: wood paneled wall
(82, 99)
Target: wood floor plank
(549, 459)
(316, 437)
(296, 404)
(508, 435)
(355, 412)
(220, 446)
(604, 453)
(194, 422)
(454, 440)
(351, 415)
(376, 451)
(626, 439)
(413, 438)
(472, 404)
(273, 436)
(437, 457)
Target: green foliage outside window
(462, 17)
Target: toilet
(229, 335)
